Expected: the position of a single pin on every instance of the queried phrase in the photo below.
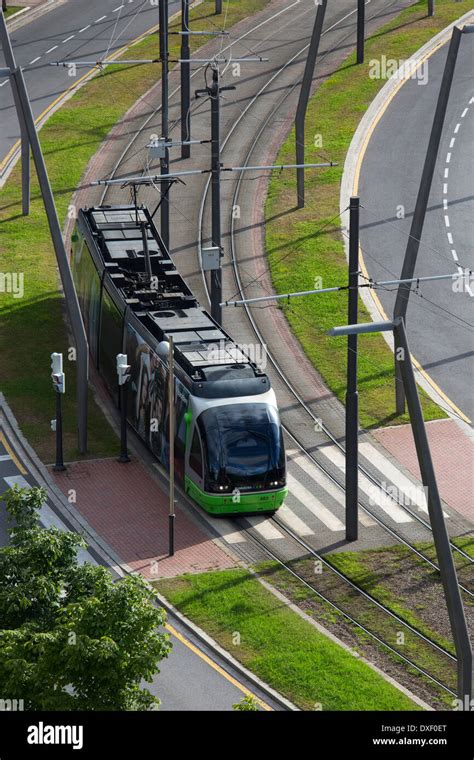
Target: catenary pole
(360, 31)
(304, 98)
(25, 145)
(216, 274)
(72, 303)
(165, 161)
(171, 518)
(416, 230)
(352, 395)
(449, 579)
(185, 81)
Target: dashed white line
(446, 173)
(454, 254)
(445, 188)
(445, 204)
(84, 28)
(446, 220)
(456, 128)
(450, 238)
(448, 158)
(100, 19)
(117, 9)
(34, 60)
(464, 112)
(69, 38)
(451, 144)
(51, 49)
(4, 83)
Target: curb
(350, 177)
(16, 21)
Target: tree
(247, 704)
(71, 637)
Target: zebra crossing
(315, 505)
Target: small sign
(210, 258)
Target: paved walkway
(453, 458)
(129, 509)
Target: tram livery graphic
(229, 450)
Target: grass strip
(279, 646)
(32, 326)
(306, 244)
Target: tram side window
(110, 342)
(87, 282)
(195, 455)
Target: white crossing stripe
(229, 533)
(294, 522)
(313, 504)
(410, 492)
(331, 488)
(49, 518)
(375, 494)
(5, 457)
(266, 529)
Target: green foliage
(71, 637)
(247, 704)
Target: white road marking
(405, 486)
(4, 83)
(445, 204)
(376, 495)
(51, 49)
(448, 158)
(84, 28)
(5, 457)
(69, 38)
(266, 529)
(446, 173)
(455, 256)
(100, 19)
(117, 9)
(48, 518)
(445, 188)
(465, 275)
(324, 482)
(34, 60)
(450, 238)
(314, 505)
(446, 220)
(228, 533)
(293, 521)
(464, 112)
(451, 144)
(456, 128)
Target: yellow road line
(12, 454)
(355, 190)
(214, 665)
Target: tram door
(194, 456)
(181, 399)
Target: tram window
(195, 456)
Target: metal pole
(360, 30)
(165, 162)
(218, 7)
(304, 98)
(59, 466)
(352, 395)
(431, 7)
(171, 434)
(25, 146)
(441, 539)
(124, 458)
(74, 312)
(185, 82)
(216, 274)
(411, 252)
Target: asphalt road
(440, 320)
(75, 30)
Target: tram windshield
(243, 447)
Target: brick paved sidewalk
(129, 509)
(453, 458)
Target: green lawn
(11, 10)
(305, 244)
(278, 645)
(32, 327)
